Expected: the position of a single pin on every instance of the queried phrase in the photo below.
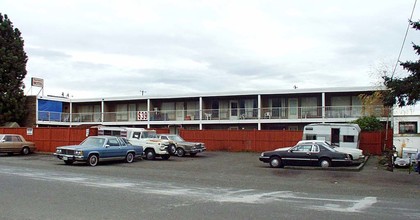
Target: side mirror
(107, 146)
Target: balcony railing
(328, 112)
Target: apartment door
(179, 111)
(233, 110)
(215, 109)
(293, 108)
(132, 114)
(97, 113)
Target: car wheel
(93, 160)
(150, 154)
(129, 158)
(275, 162)
(25, 150)
(69, 162)
(180, 152)
(324, 163)
(172, 149)
(165, 156)
(193, 154)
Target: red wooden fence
(375, 142)
(258, 141)
(47, 139)
(242, 140)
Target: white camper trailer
(342, 135)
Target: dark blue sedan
(99, 148)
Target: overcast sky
(93, 49)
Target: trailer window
(348, 138)
(110, 132)
(310, 137)
(408, 127)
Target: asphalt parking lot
(244, 169)
(209, 186)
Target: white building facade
(266, 110)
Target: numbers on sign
(142, 116)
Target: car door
(3, 144)
(12, 143)
(113, 148)
(299, 155)
(314, 155)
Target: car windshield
(1, 137)
(175, 138)
(327, 145)
(149, 134)
(93, 142)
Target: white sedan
(356, 154)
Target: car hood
(283, 149)
(190, 143)
(73, 147)
(155, 140)
(406, 159)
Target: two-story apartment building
(263, 110)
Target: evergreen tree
(12, 72)
(405, 91)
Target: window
(309, 106)
(122, 113)
(112, 133)
(340, 101)
(8, 138)
(311, 137)
(315, 148)
(303, 148)
(348, 138)
(408, 127)
(113, 142)
(136, 135)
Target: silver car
(180, 147)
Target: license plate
(65, 158)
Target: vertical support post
(148, 113)
(201, 112)
(37, 111)
(102, 110)
(259, 112)
(71, 112)
(323, 106)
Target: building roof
(222, 94)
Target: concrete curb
(348, 168)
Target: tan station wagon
(14, 143)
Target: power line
(405, 37)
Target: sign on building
(38, 82)
(142, 116)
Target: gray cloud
(164, 47)
(46, 53)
